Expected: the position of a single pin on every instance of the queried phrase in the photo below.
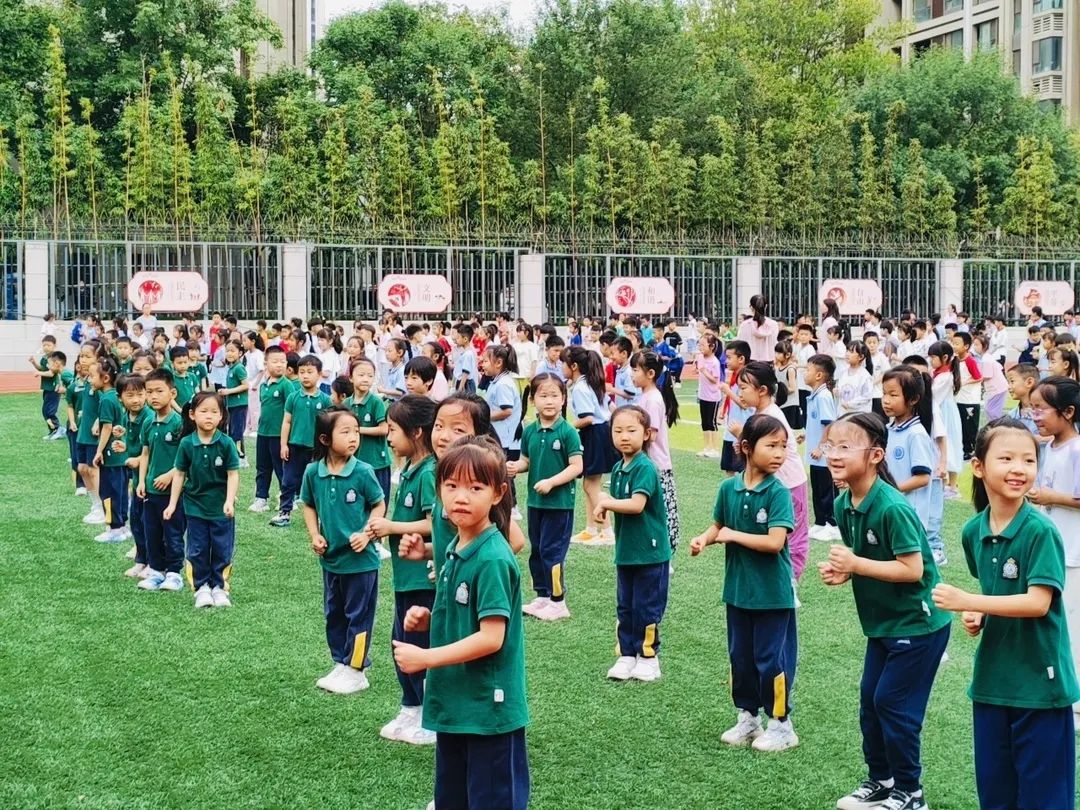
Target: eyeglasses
(839, 450)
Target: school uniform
(1024, 683)
(187, 385)
(478, 710)
(272, 396)
(237, 403)
(759, 597)
(135, 425)
(598, 453)
(624, 381)
(642, 558)
(343, 502)
(198, 371)
(113, 472)
(373, 450)
(969, 402)
(735, 414)
(906, 634)
(85, 440)
(415, 498)
(395, 380)
(910, 452)
(211, 536)
(503, 396)
(50, 399)
(803, 353)
(73, 397)
(164, 538)
(551, 516)
(820, 413)
(1025, 415)
(304, 409)
(465, 366)
(544, 366)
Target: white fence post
(747, 283)
(36, 280)
(951, 285)
(295, 279)
(531, 286)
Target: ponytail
(917, 388)
(651, 361)
(759, 303)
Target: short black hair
(465, 330)
(275, 349)
(309, 360)
(58, 355)
(342, 386)
(740, 347)
(177, 352)
(161, 375)
(130, 382)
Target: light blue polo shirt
(624, 381)
(466, 364)
(503, 395)
(820, 413)
(1027, 416)
(736, 415)
(911, 452)
(584, 403)
(395, 378)
(551, 368)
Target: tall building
(302, 22)
(1039, 39)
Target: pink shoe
(553, 612)
(535, 606)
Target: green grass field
(115, 697)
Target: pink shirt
(440, 388)
(993, 377)
(652, 402)
(792, 473)
(762, 339)
(709, 391)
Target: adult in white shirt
(528, 353)
(147, 320)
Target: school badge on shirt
(461, 596)
(217, 461)
(556, 445)
(350, 496)
(408, 500)
(367, 417)
(871, 538)
(762, 516)
(168, 437)
(898, 453)
(1010, 570)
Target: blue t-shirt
(912, 452)
(820, 413)
(624, 381)
(737, 414)
(1027, 416)
(466, 364)
(503, 395)
(550, 368)
(584, 403)
(395, 378)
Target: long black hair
(414, 413)
(325, 421)
(590, 366)
(759, 303)
(945, 352)
(651, 361)
(534, 386)
(188, 412)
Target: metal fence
(990, 285)
(344, 279)
(243, 279)
(11, 296)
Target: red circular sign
(150, 290)
(398, 295)
(625, 295)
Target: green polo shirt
(303, 408)
(45, 383)
(485, 696)
(641, 539)
(111, 412)
(272, 396)
(160, 437)
(1026, 663)
(134, 431)
(371, 413)
(66, 378)
(755, 580)
(549, 451)
(125, 366)
(883, 527)
(343, 502)
(413, 500)
(206, 469)
(237, 374)
(186, 387)
(90, 399)
(73, 396)
(443, 533)
(198, 371)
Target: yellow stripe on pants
(358, 650)
(647, 650)
(556, 580)
(779, 686)
(107, 506)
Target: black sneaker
(870, 793)
(902, 800)
(281, 520)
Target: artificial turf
(115, 697)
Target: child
(551, 453)
(995, 385)
(206, 472)
(50, 380)
(440, 386)
(340, 495)
(132, 391)
(341, 390)
(709, 377)
(1025, 681)
(1063, 363)
(465, 364)
(1022, 379)
(881, 365)
(370, 413)
(527, 352)
(658, 401)
(328, 350)
(855, 383)
(504, 399)
(255, 365)
(1056, 405)
(969, 394)
(160, 439)
(820, 413)
(73, 398)
(476, 644)
(197, 368)
(787, 373)
(123, 349)
(235, 392)
(394, 388)
(298, 433)
(87, 438)
(804, 349)
(551, 362)
(420, 373)
(622, 391)
(410, 420)
(642, 551)
(186, 382)
(738, 355)
(887, 559)
(752, 518)
(274, 391)
(946, 377)
(110, 456)
(582, 368)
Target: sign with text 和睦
(640, 296)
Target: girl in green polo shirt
(1024, 683)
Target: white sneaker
(244, 464)
(80, 491)
(203, 597)
(404, 719)
(259, 505)
(125, 534)
(779, 736)
(96, 517)
(416, 734)
(135, 571)
(744, 732)
(553, 612)
(384, 552)
(832, 534)
(431, 805)
(817, 532)
(111, 536)
(646, 669)
(515, 515)
(327, 678)
(152, 580)
(605, 538)
(347, 681)
(131, 554)
(172, 582)
(221, 597)
(623, 668)
(535, 606)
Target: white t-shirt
(149, 323)
(1059, 470)
(527, 354)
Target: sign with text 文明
(415, 293)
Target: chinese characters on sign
(168, 292)
(415, 293)
(640, 296)
(1053, 296)
(853, 296)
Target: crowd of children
(156, 426)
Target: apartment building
(302, 22)
(1039, 39)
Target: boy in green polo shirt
(50, 400)
(197, 367)
(86, 440)
(1024, 685)
(111, 455)
(236, 395)
(475, 698)
(274, 390)
(642, 548)
(73, 399)
(160, 440)
(123, 349)
(186, 383)
(298, 433)
(132, 391)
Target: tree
(720, 178)
(915, 193)
(58, 102)
(1029, 208)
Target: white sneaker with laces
(646, 669)
(347, 681)
(203, 597)
(535, 606)
(405, 718)
(869, 794)
(152, 580)
(221, 597)
(553, 611)
(96, 517)
(172, 582)
(259, 505)
(328, 677)
(744, 732)
(623, 668)
(415, 733)
(779, 736)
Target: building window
(953, 5)
(1046, 5)
(1016, 63)
(923, 10)
(953, 39)
(986, 35)
(1050, 104)
(1046, 55)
